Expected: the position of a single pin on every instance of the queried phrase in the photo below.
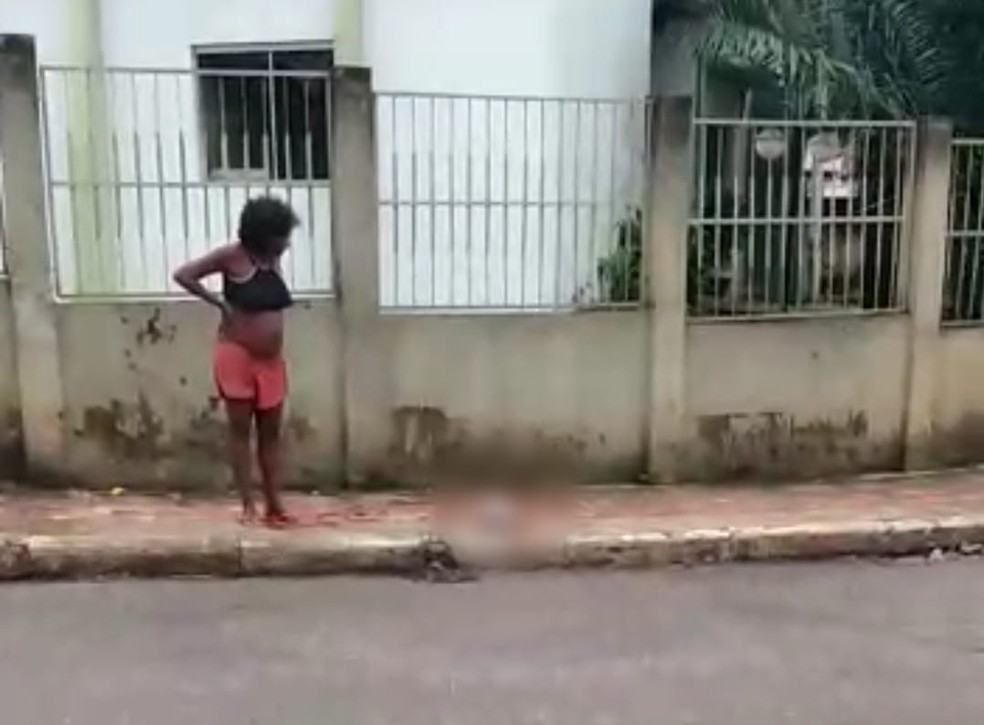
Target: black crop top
(263, 291)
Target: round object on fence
(770, 144)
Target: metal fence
(149, 167)
(963, 285)
(798, 216)
(510, 202)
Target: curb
(27, 557)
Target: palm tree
(816, 58)
(958, 27)
(801, 59)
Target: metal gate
(148, 167)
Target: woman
(247, 361)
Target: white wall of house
(160, 33)
(516, 200)
(590, 48)
(539, 48)
(44, 19)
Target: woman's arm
(189, 276)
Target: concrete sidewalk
(88, 535)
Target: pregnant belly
(262, 333)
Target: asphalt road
(840, 644)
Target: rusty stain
(11, 442)
(300, 428)
(774, 443)
(426, 441)
(152, 332)
(420, 432)
(125, 431)
(133, 431)
(961, 443)
(207, 431)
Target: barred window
(265, 112)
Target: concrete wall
(558, 395)
(140, 406)
(529, 393)
(796, 398)
(561, 395)
(958, 435)
(119, 394)
(10, 433)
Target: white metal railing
(525, 203)
(963, 285)
(149, 167)
(798, 217)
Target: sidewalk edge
(28, 557)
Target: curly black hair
(264, 223)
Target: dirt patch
(427, 443)
(776, 445)
(136, 432)
(11, 444)
(959, 444)
(125, 431)
(299, 428)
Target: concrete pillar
(665, 264)
(98, 260)
(349, 29)
(928, 209)
(355, 240)
(38, 375)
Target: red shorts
(242, 376)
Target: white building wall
(539, 48)
(47, 20)
(161, 33)
(157, 118)
(43, 19)
(590, 48)
(489, 202)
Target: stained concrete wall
(958, 432)
(119, 394)
(557, 394)
(140, 405)
(549, 394)
(10, 429)
(465, 394)
(472, 395)
(796, 398)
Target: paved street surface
(826, 644)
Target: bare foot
(248, 516)
(279, 519)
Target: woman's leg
(270, 455)
(240, 414)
